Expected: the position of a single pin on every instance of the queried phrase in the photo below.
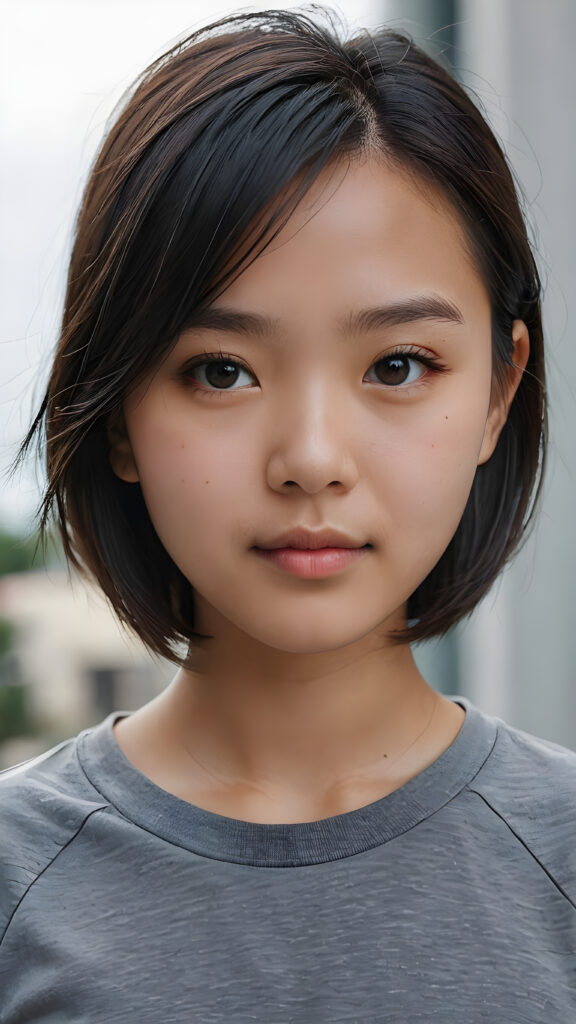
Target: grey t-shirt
(451, 899)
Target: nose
(311, 441)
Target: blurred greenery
(15, 719)
(6, 635)
(18, 553)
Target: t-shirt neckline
(213, 835)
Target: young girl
(295, 422)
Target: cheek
(188, 479)
(427, 470)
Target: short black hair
(223, 135)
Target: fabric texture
(452, 899)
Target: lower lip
(312, 564)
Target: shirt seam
(45, 868)
(523, 843)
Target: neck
(245, 731)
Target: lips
(309, 540)
(312, 563)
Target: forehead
(364, 233)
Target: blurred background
(64, 64)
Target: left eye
(398, 369)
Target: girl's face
(357, 397)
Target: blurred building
(73, 660)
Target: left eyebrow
(406, 311)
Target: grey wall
(518, 656)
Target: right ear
(121, 454)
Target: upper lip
(312, 540)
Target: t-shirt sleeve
(531, 784)
(43, 805)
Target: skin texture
(300, 707)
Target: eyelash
(418, 355)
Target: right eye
(214, 371)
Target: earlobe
(121, 455)
(504, 394)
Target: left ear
(504, 393)
(121, 456)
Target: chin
(310, 636)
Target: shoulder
(43, 805)
(524, 767)
(531, 784)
